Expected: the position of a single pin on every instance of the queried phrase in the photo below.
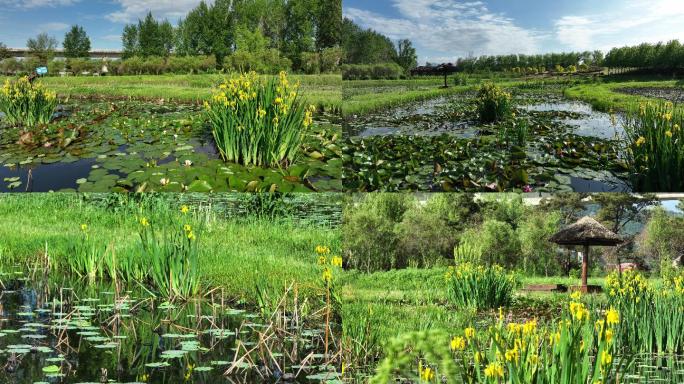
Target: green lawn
(235, 254)
(603, 97)
(322, 90)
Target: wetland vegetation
(459, 288)
(147, 289)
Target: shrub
(387, 71)
(265, 62)
(493, 104)
(311, 63)
(370, 239)
(330, 59)
(11, 66)
(423, 241)
(78, 66)
(27, 104)
(655, 147)
(479, 287)
(261, 123)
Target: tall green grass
(655, 147)
(653, 315)
(259, 123)
(479, 287)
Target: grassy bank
(322, 90)
(605, 97)
(236, 254)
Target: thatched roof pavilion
(586, 232)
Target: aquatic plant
(654, 320)
(171, 251)
(26, 104)
(493, 104)
(479, 287)
(580, 348)
(655, 147)
(514, 132)
(88, 257)
(257, 122)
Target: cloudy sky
(443, 30)
(103, 19)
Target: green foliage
(480, 287)
(422, 241)
(493, 104)
(529, 63)
(497, 242)
(366, 46)
(26, 104)
(653, 321)
(646, 55)
(406, 55)
(268, 61)
(663, 240)
(386, 71)
(76, 43)
(11, 66)
(78, 66)
(4, 52)
(655, 147)
(259, 123)
(42, 47)
(173, 258)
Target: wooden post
(585, 268)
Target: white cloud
(53, 27)
(37, 3)
(636, 22)
(132, 10)
(444, 30)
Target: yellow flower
(322, 260)
(322, 250)
(144, 222)
(337, 261)
(609, 336)
(327, 275)
(458, 344)
(279, 100)
(512, 354)
(577, 295)
(469, 333)
(668, 134)
(427, 374)
(606, 359)
(261, 113)
(191, 235)
(84, 227)
(494, 370)
(187, 228)
(612, 316)
(185, 209)
(640, 141)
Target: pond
(438, 145)
(50, 333)
(140, 146)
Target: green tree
(328, 24)
(617, 210)
(129, 40)
(76, 43)
(570, 205)
(299, 31)
(406, 55)
(4, 52)
(42, 47)
(150, 41)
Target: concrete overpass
(21, 53)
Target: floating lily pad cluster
(138, 146)
(462, 155)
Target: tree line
(666, 56)
(300, 31)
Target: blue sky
(443, 30)
(103, 19)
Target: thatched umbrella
(586, 232)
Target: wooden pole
(585, 268)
